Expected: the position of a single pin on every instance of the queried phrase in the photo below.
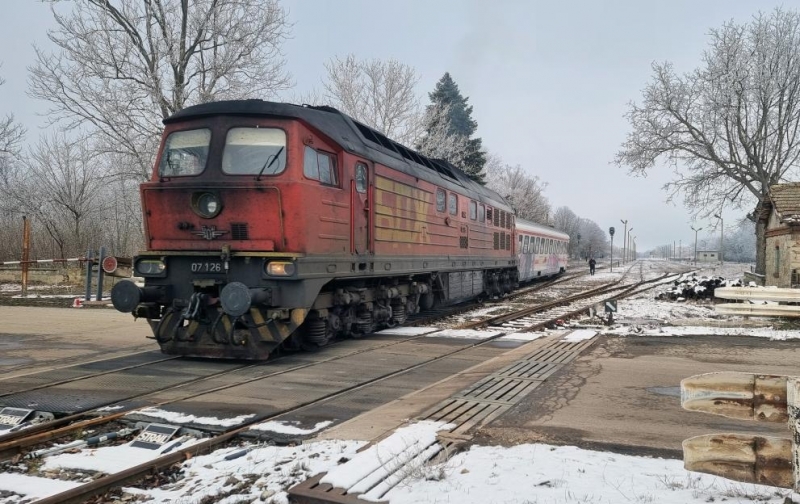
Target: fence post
(89, 255)
(100, 273)
(26, 253)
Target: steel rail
(83, 492)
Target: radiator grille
(496, 217)
(496, 241)
(489, 216)
(508, 242)
(502, 219)
(463, 242)
(239, 231)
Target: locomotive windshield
(254, 151)
(185, 153)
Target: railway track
(17, 442)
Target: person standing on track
(592, 263)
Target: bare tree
(11, 135)
(60, 187)
(730, 128)
(377, 93)
(122, 66)
(524, 192)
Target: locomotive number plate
(207, 267)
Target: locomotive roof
(533, 227)
(353, 137)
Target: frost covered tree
(122, 66)
(438, 141)
(524, 192)
(594, 241)
(378, 93)
(567, 221)
(449, 111)
(729, 128)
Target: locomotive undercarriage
(233, 320)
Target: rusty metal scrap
(740, 457)
(736, 395)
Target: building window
(319, 166)
(361, 177)
(441, 200)
(452, 204)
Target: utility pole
(624, 241)
(630, 256)
(695, 243)
(721, 242)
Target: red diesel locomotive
(270, 224)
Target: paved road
(623, 394)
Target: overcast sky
(549, 81)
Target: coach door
(361, 202)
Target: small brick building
(783, 236)
(707, 256)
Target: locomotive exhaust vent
(239, 231)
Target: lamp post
(630, 257)
(721, 237)
(695, 243)
(624, 240)
(578, 246)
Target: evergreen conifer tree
(446, 96)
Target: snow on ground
(579, 335)
(182, 418)
(530, 473)
(279, 427)
(544, 474)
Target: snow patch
(33, 487)
(463, 333)
(182, 418)
(279, 427)
(579, 335)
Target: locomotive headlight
(280, 269)
(206, 204)
(150, 267)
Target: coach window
(185, 153)
(482, 213)
(361, 177)
(441, 202)
(452, 204)
(537, 249)
(527, 247)
(319, 166)
(473, 210)
(254, 151)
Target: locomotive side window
(452, 204)
(473, 210)
(482, 213)
(441, 198)
(185, 153)
(319, 166)
(361, 177)
(254, 151)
